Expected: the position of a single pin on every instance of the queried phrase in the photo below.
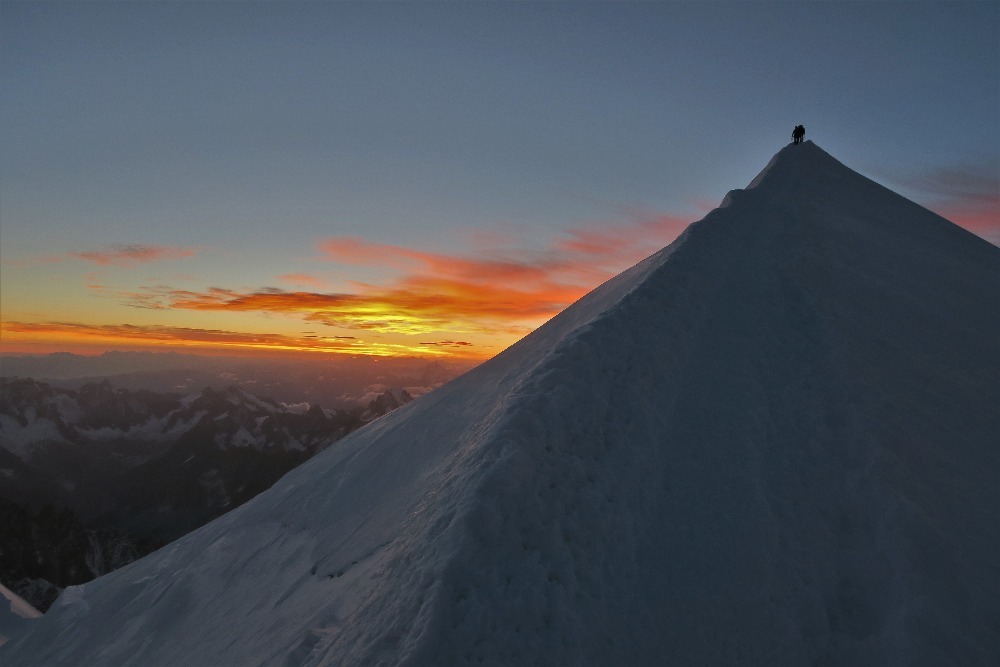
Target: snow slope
(772, 442)
(14, 613)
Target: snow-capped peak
(772, 442)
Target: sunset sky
(434, 179)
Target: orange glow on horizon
(431, 304)
(41, 338)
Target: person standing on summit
(798, 133)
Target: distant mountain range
(46, 550)
(107, 474)
(332, 381)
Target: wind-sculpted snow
(773, 442)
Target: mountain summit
(772, 442)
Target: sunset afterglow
(433, 179)
(467, 306)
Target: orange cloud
(353, 250)
(448, 343)
(301, 279)
(130, 254)
(496, 289)
(416, 309)
(17, 334)
(485, 270)
(621, 244)
(580, 257)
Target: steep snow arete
(772, 442)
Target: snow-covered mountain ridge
(142, 467)
(773, 442)
(81, 449)
(46, 550)
(34, 415)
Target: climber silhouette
(798, 133)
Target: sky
(434, 179)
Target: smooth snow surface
(773, 442)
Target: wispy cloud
(496, 287)
(971, 182)
(621, 244)
(125, 255)
(968, 194)
(301, 279)
(145, 333)
(500, 287)
(204, 339)
(377, 310)
(576, 256)
(448, 343)
(130, 254)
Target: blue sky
(222, 144)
